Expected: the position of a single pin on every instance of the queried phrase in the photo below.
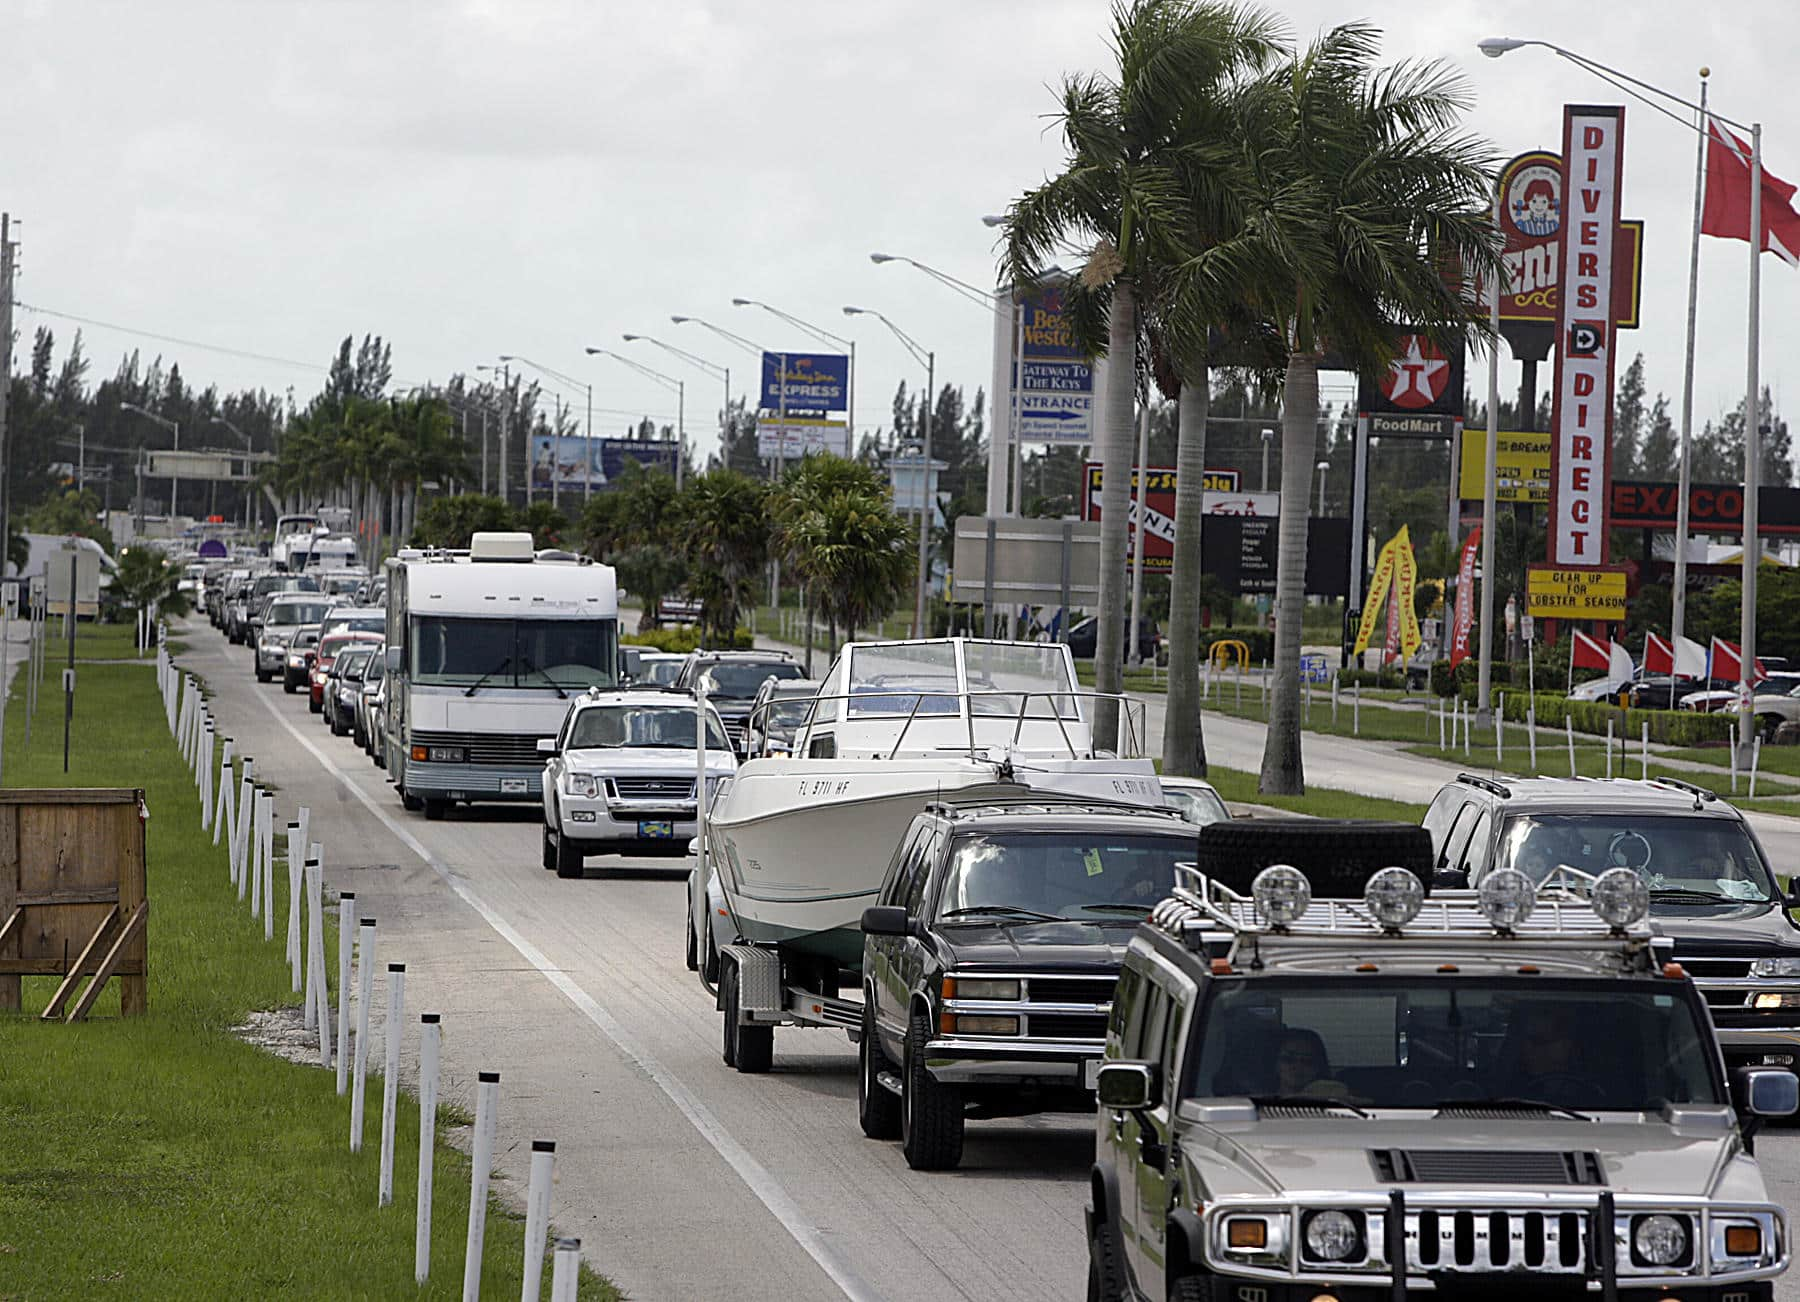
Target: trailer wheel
(876, 1107)
(751, 1049)
(931, 1114)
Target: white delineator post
(365, 992)
(1609, 748)
(1569, 733)
(250, 879)
(317, 999)
(346, 949)
(240, 838)
(208, 747)
(565, 1271)
(481, 1160)
(390, 1077)
(268, 863)
(430, 1043)
(537, 1217)
(223, 822)
(296, 866)
(1645, 760)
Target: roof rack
(1486, 784)
(1700, 794)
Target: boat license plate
(661, 830)
(513, 786)
(1090, 1073)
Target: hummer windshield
(998, 878)
(1682, 859)
(1528, 1042)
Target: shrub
(1668, 727)
(1467, 675)
(686, 639)
(1260, 641)
(1389, 677)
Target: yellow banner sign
(1554, 592)
(1379, 583)
(1521, 466)
(1396, 578)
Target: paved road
(681, 1178)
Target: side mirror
(1450, 879)
(546, 746)
(1766, 1091)
(1128, 1086)
(885, 920)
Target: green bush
(1261, 642)
(1389, 677)
(1463, 681)
(683, 640)
(1668, 727)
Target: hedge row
(1260, 641)
(1670, 727)
(685, 639)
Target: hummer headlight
(1332, 1236)
(1660, 1240)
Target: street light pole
(711, 368)
(667, 381)
(929, 358)
(1268, 436)
(1322, 467)
(173, 427)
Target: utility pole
(7, 252)
(505, 427)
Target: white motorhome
(485, 650)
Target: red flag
(1659, 656)
(1727, 207)
(1726, 661)
(1586, 653)
(1465, 600)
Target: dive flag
(1726, 661)
(1586, 653)
(1726, 211)
(1659, 656)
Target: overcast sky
(532, 176)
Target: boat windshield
(895, 678)
(1002, 677)
(1034, 675)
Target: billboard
(1531, 221)
(1221, 498)
(814, 381)
(571, 461)
(1581, 451)
(1592, 592)
(800, 436)
(1052, 380)
(1423, 379)
(1521, 466)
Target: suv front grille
(1066, 1026)
(1072, 990)
(1486, 1166)
(1549, 1242)
(669, 788)
(1730, 991)
(486, 747)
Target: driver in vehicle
(1546, 1047)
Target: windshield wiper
(1689, 893)
(473, 687)
(533, 669)
(1140, 910)
(1522, 1105)
(1000, 911)
(1306, 1101)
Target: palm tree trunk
(806, 601)
(1184, 746)
(1283, 774)
(1115, 488)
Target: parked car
(343, 687)
(1712, 888)
(1084, 635)
(1726, 698)
(732, 679)
(620, 776)
(1660, 692)
(301, 649)
(283, 616)
(1602, 689)
(989, 961)
(1197, 801)
(780, 707)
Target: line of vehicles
(1534, 1037)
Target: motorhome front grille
(486, 747)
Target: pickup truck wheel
(1769, 724)
(931, 1114)
(569, 860)
(549, 851)
(313, 705)
(751, 1049)
(876, 1107)
(1198, 1288)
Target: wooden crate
(72, 894)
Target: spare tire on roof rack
(1338, 856)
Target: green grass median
(161, 1156)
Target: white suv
(620, 775)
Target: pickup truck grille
(1072, 990)
(1729, 991)
(1066, 1026)
(660, 788)
(486, 747)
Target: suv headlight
(582, 784)
(1660, 1240)
(1775, 967)
(1332, 1235)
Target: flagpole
(1752, 457)
(1678, 619)
(1490, 478)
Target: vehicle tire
(691, 952)
(1337, 855)
(287, 685)
(750, 1049)
(1198, 1287)
(262, 675)
(312, 705)
(1105, 1265)
(1769, 725)
(570, 862)
(436, 809)
(876, 1107)
(356, 735)
(336, 721)
(409, 802)
(931, 1114)
(549, 851)
(709, 956)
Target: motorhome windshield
(536, 653)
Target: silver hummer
(1457, 1095)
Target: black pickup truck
(990, 958)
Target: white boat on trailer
(798, 846)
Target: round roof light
(1394, 897)
(1620, 897)
(1507, 898)
(1282, 894)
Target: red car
(329, 646)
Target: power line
(171, 339)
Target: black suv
(990, 958)
(1712, 888)
(733, 679)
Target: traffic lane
(636, 1180)
(1007, 1224)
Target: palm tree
(1375, 205)
(1123, 194)
(863, 557)
(726, 532)
(147, 581)
(800, 534)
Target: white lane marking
(755, 1176)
